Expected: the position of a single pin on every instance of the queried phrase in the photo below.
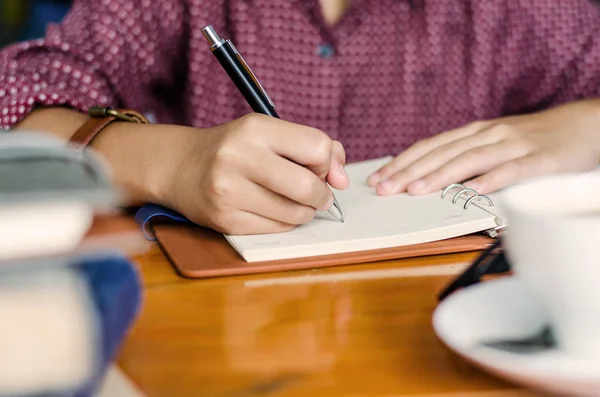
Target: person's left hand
(491, 155)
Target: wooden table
(360, 330)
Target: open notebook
(373, 222)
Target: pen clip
(243, 62)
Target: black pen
(244, 79)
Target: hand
(499, 152)
(257, 174)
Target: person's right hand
(256, 174)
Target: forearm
(138, 154)
(61, 122)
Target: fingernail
(374, 179)
(329, 203)
(417, 186)
(386, 186)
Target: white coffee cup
(553, 244)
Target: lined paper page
(371, 222)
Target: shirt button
(325, 50)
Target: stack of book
(68, 293)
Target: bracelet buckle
(99, 111)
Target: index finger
(303, 145)
(420, 149)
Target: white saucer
(504, 309)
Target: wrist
(144, 158)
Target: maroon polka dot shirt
(389, 73)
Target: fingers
(420, 149)
(337, 176)
(471, 163)
(301, 144)
(263, 202)
(242, 222)
(237, 205)
(512, 172)
(290, 180)
(306, 146)
(460, 151)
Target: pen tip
(337, 213)
(340, 214)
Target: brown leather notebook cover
(196, 252)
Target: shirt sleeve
(105, 52)
(550, 53)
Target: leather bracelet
(102, 117)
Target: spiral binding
(472, 195)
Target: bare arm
(61, 122)
(133, 151)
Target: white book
(373, 222)
(49, 193)
(49, 339)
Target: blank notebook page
(371, 222)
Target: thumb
(337, 176)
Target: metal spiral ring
(478, 197)
(465, 190)
(452, 187)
